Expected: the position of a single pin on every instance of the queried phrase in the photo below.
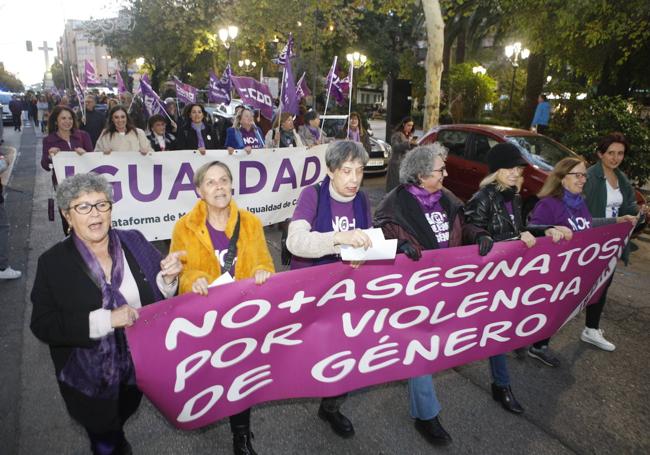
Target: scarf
(354, 136)
(199, 137)
(287, 138)
(572, 200)
(314, 132)
(98, 371)
(426, 200)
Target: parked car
(379, 150)
(467, 160)
(5, 98)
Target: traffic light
(28, 44)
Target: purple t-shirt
(551, 210)
(250, 138)
(220, 244)
(439, 223)
(342, 212)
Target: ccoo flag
(90, 74)
(185, 92)
(288, 97)
(219, 91)
(302, 89)
(337, 87)
(152, 101)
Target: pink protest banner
(323, 331)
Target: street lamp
(357, 60)
(479, 70)
(139, 61)
(513, 53)
(247, 65)
(227, 35)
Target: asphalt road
(596, 402)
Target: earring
(69, 229)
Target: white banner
(152, 192)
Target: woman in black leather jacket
(495, 209)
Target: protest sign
(255, 94)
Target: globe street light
(513, 53)
(227, 35)
(479, 70)
(247, 65)
(357, 60)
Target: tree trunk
(433, 63)
(461, 43)
(534, 86)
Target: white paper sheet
(224, 278)
(381, 248)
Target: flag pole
(284, 71)
(329, 89)
(350, 96)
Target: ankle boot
(507, 399)
(242, 442)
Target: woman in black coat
(196, 133)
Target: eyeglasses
(441, 170)
(579, 175)
(85, 208)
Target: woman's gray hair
(419, 162)
(73, 187)
(338, 152)
(199, 175)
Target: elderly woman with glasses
(87, 289)
(562, 203)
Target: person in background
(120, 135)
(43, 108)
(95, 121)
(16, 109)
(357, 132)
(6, 272)
(401, 142)
(283, 134)
(330, 214)
(542, 116)
(310, 133)
(196, 133)
(219, 237)
(172, 122)
(88, 288)
(244, 134)
(135, 110)
(160, 139)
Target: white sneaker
(10, 274)
(595, 337)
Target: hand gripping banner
(326, 330)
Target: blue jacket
(542, 114)
(234, 138)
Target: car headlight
(387, 151)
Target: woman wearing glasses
(495, 212)
(561, 202)
(87, 289)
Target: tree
(57, 73)
(435, 38)
(9, 82)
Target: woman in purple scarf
(196, 133)
(310, 132)
(561, 203)
(87, 289)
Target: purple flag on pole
(152, 102)
(338, 87)
(121, 86)
(220, 89)
(76, 85)
(91, 74)
(288, 97)
(287, 52)
(185, 92)
(255, 94)
(302, 89)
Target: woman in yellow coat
(220, 237)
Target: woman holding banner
(561, 202)
(120, 135)
(283, 134)
(422, 215)
(196, 133)
(495, 213)
(87, 289)
(310, 132)
(219, 238)
(244, 134)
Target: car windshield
(333, 127)
(540, 150)
(4, 99)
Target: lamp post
(513, 53)
(227, 35)
(247, 65)
(357, 60)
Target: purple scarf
(314, 132)
(199, 137)
(354, 136)
(572, 200)
(426, 200)
(98, 371)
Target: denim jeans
(499, 370)
(423, 402)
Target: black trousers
(17, 121)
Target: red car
(468, 146)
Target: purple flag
(337, 87)
(302, 89)
(90, 74)
(219, 91)
(121, 86)
(152, 102)
(254, 94)
(76, 85)
(288, 96)
(185, 92)
(287, 52)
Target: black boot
(339, 423)
(433, 431)
(242, 441)
(505, 396)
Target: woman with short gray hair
(422, 215)
(87, 289)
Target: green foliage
(9, 82)
(474, 90)
(57, 73)
(597, 117)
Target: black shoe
(504, 396)
(242, 443)
(544, 355)
(339, 423)
(433, 431)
